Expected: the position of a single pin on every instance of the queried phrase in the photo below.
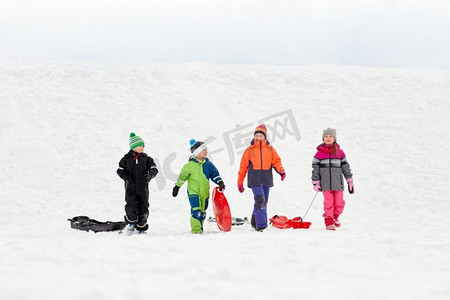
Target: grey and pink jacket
(329, 168)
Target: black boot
(142, 228)
(142, 223)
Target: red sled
(297, 223)
(221, 210)
(282, 222)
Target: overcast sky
(395, 33)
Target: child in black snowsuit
(136, 168)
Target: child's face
(328, 139)
(259, 137)
(139, 149)
(202, 154)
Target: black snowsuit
(136, 170)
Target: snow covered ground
(65, 126)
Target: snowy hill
(65, 126)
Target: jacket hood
(256, 143)
(193, 158)
(131, 153)
(327, 148)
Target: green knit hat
(135, 141)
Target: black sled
(86, 224)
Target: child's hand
(175, 191)
(283, 175)
(221, 186)
(316, 186)
(351, 186)
(147, 178)
(240, 188)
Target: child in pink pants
(329, 167)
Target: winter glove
(283, 175)
(221, 186)
(240, 188)
(316, 186)
(127, 179)
(175, 191)
(351, 187)
(147, 178)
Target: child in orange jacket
(258, 160)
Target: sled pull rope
(310, 205)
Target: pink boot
(330, 227)
(329, 223)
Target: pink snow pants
(333, 203)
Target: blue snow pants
(261, 195)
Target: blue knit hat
(135, 141)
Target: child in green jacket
(198, 171)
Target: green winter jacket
(198, 175)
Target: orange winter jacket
(258, 160)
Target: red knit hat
(261, 129)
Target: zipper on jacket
(136, 158)
(329, 167)
(199, 174)
(260, 153)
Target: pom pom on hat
(192, 142)
(135, 141)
